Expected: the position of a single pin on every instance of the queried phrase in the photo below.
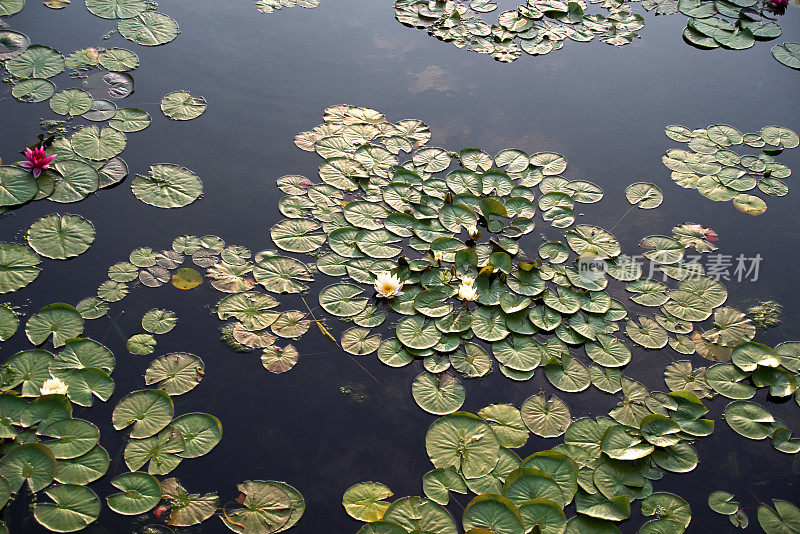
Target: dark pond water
(268, 77)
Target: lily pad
(61, 237)
(175, 373)
(182, 106)
(18, 266)
(149, 28)
(438, 395)
(545, 418)
(148, 410)
(364, 501)
(167, 186)
(140, 493)
(74, 508)
(59, 320)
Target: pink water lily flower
(38, 160)
(710, 234)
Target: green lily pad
(424, 515)
(139, 494)
(545, 418)
(266, 508)
(645, 195)
(176, 373)
(722, 502)
(83, 469)
(118, 60)
(36, 62)
(141, 344)
(201, 432)
(31, 462)
(72, 437)
(60, 320)
(158, 321)
(149, 28)
(116, 9)
(416, 333)
(187, 509)
(33, 90)
(130, 120)
(749, 419)
(494, 513)
(18, 266)
(438, 395)
(365, 501)
(464, 441)
(167, 186)
(17, 186)
(182, 106)
(148, 410)
(61, 237)
(74, 508)
(92, 143)
(71, 102)
(784, 518)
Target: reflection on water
(265, 78)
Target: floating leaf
(31, 462)
(148, 28)
(140, 494)
(36, 62)
(645, 195)
(267, 508)
(175, 373)
(148, 410)
(187, 509)
(182, 106)
(464, 441)
(141, 344)
(73, 509)
(17, 186)
(158, 321)
(364, 501)
(167, 186)
(279, 360)
(749, 419)
(61, 237)
(545, 418)
(18, 266)
(60, 320)
(438, 395)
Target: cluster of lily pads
(54, 236)
(269, 6)
(252, 320)
(734, 25)
(436, 234)
(603, 464)
(541, 26)
(781, 516)
(717, 171)
(88, 159)
(536, 27)
(58, 455)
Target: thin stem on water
(324, 332)
(620, 219)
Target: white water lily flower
(437, 255)
(468, 281)
(388, 285)
(467, 292)
(472, 230)
(53, 386)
